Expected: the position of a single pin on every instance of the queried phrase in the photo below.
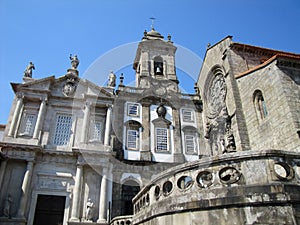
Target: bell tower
(155, 60)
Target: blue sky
(47, 32)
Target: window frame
(23, 125)
(92, 130)
(136, 139)
(129, 110)
(191, 117)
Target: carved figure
(28, 70)
(7, 206)
(89, 213)
(111, 79)
(207, 130)
(74, 61)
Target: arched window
(260, 104)
(158, 65)
(129, 189)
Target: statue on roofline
(28, 70)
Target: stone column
(76, 194)
(85, 123)
(107, 126)
(103, 198)
(2, 171)
(14, 121)
(25, 189)
(39, 120)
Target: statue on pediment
(111, 79)
(74, 61)
(28, 70)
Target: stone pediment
(41, 85)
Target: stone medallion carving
(229, 175)
(205, 179)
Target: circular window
(283, 171)
(184, 182)
(229, 175)
(167, 187)
(157, 192)
(205, 179)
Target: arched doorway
(129, 189)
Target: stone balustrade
(122, 220)
(235, 179)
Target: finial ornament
(28, 70)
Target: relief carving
(218, 129)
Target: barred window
(132, 139)
(187, 115)
(161, 139)
(27, 125)
(190, 144)
(133, 109)
(63, 127)
(96, 131)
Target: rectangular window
(187, 115)
(63, 128)
(190, 145)
(161, 139)
(133, 109)
(28, 124)
(96, 131)
(132, 139)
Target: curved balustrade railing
(234, 179)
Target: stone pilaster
(107, 126)
(85, 123)
(25, 189)
(76, 194)
(145, 151)
(14, 121)
(40, 118)
(103, 198)
(2, 171)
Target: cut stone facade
(76, 153)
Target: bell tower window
(158, 65)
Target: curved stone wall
(236, 188)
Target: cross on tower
(152, 25)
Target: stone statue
(111, 79)
(7, 206)
(74, 61)
(89, 213)
(28, 70)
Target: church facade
(74, 152)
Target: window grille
(28, 123)
(132, 139)
(63, 129)
(96, 131)
(190, 143)
(161, 139)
